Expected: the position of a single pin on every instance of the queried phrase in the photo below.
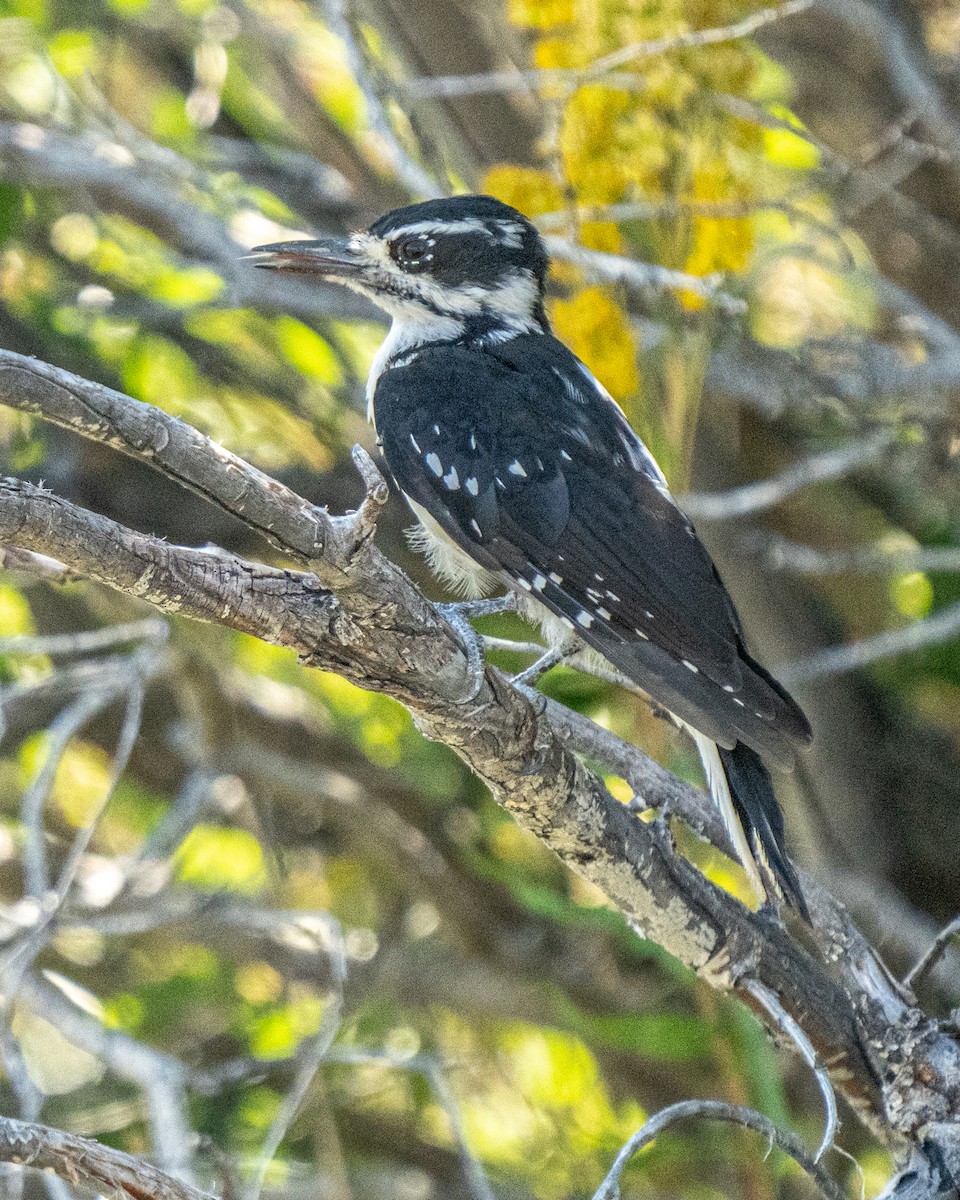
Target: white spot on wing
(452, 479)
(584, 618)
(516, 468)
(690, 666)
(557, 579)
(539, 582)
(604, 614)
(414, 443)
(435, 465)
(471, 485)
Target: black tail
(752, 793)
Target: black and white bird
(524, 472)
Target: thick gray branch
(357, 614)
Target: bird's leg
(547, 661)
(468, 609)
(458, 615)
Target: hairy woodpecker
(524, 472)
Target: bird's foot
(458, 615)
(537, 699)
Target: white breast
(454, 568)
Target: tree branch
(84, 1162)
(357, 614)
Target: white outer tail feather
(720, 794)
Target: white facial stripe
(415, 297)
(507, 233)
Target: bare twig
(932, 955)
(311, 1057)
(476, 1177)
(929, 631)
(782, 554)
(366, 621)
(121, 183)
(600, 69)
(162, 1078)
(782, 1019)
(170, 446)
(12, 558)
(717, 1110)
(583, 662)
(82, 1161)
(754, 497)
(65, 727)
(417, 181)
(697, 37)
(86, 641)
(615, 268)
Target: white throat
(405, 337)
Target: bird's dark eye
(413, 253)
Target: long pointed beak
(333, 258)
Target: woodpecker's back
(526, 473)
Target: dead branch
(357, 614)
(84, 1162)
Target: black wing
(529, 466)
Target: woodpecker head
(467, 260)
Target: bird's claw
(537, 699)
(456, 617)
